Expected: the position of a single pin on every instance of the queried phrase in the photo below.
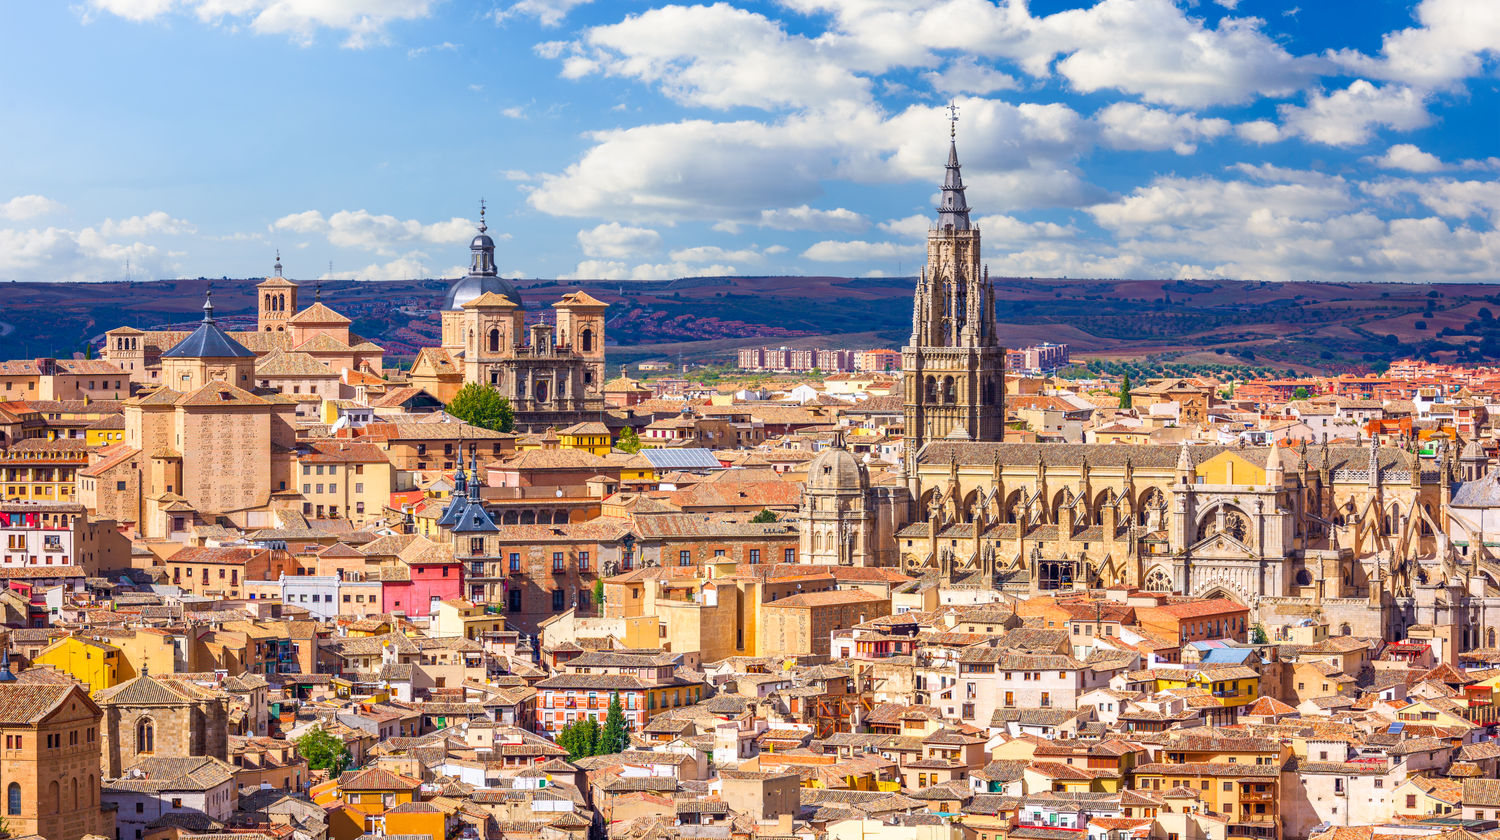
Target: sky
(1329, 140)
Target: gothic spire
(953, 209)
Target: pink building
(427, 581)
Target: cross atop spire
(952, 120)
(482, 226)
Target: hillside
(1323, 325)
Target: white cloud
(1127, 125)
(547, 12)
(408, 267)
(1450, 44)
(715, 56)
(1349, 117)
(617, 241)
(713, 253)
(856, 251)
(966, 75)
(363, 22)
(1408, 157)
(83, 256)
(1259, 131)
(1447, 197)
(156, 222)
(379, 233)
(515, 112)
(24, 207)
(1292, 225)
(617, 270)
(803, 217)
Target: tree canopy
(765, 515)
(483, 406)
(628, 441)
(583, 738)
(324, 752)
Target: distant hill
(1323, 325)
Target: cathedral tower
(954, 366)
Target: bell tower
(953, 366)
(277, 301)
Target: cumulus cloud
(618, 270)
(363, 22)
(616, 241)
(1408, 157)
(1280, 225)
(803, 217)
(546, 12)
(967, 75)
(87, 255)
(381, 234)
(1127, 125)
(1451, 43)
(406, 267)
(1350, 116)
(830, 250)
(24, 207)
(155, 222)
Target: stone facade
(148, 717)
(50, 764)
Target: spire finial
(952, 120)
(208, 305)
(482, 226)
(318, 290)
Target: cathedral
(553, 374)
(1374, 540)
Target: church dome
(837, 469)
(474, 285)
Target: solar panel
(1395, 728)
(682, 459)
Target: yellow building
(345, 480)
(371, 793)
(1244, 794)
(464, 618)
(93, 663)
(416, 819)
(42, 470)
(592, 437)
(1232, 688)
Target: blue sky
(1347, 140)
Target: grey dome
(481, 241)
(836, 468)
(474, 285)
(208, 341)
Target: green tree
(1300, 393)
(1125, 392)
(482, 406)
(765, 515)
(324, 752)
(598, 593)
(1258, 635)
(628, 441)
(615, 737)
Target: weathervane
(952, 121)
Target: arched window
(494, 341)
(75, 792)
(54, 799)
(931, 389)
(950, 391)
(586, 340)
(13, 798)
(145, 736)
